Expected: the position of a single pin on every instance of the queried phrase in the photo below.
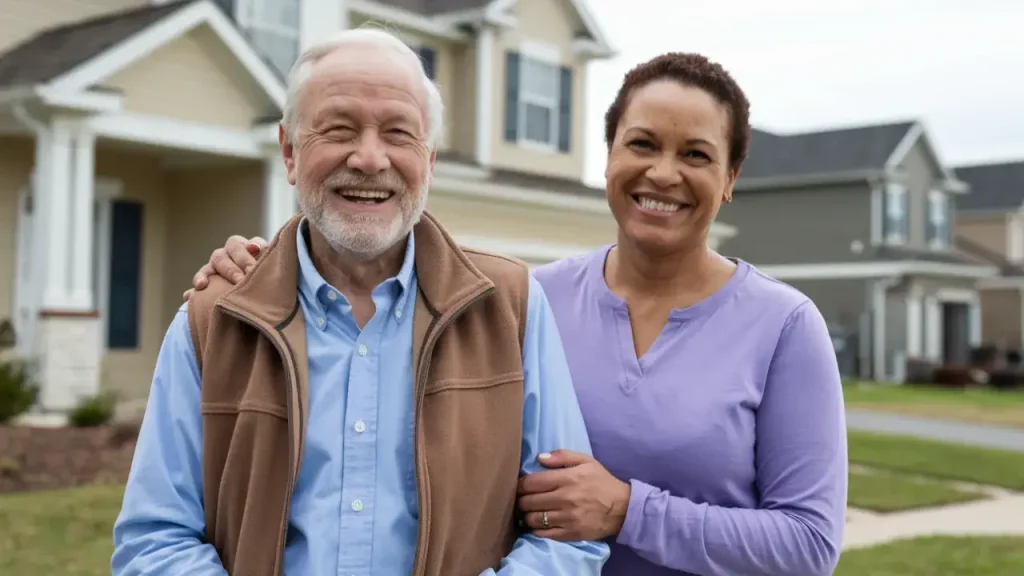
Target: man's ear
(287, 152)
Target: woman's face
(668, 168)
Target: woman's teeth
(651, 204)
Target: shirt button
(320, 321)
(398, 313)
(362, 350)
(332, 296)
(360, 426)
(357, 505)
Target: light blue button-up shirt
(354, 508)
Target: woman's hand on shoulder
(232, 262)
(582, 500)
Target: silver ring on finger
(544, 520)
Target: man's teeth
(651, 204)
(367, 194)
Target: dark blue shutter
(125, 275)
(511, 96)
(429, 58)
(565, 110)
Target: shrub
(93, 411)
(17, 390)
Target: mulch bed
(49, 458)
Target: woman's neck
(633, 271)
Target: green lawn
(886, 492)
(65, 532)
(984, 406)
(937, 459)
(937, 556)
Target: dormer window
(895, 214)
(538, 99)
(938, 219)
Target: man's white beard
(364, 236)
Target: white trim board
(178, 134)
(878, 269)
(524, 250)
(915, 134)
(404, 18)
(177, 24)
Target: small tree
(17, 390)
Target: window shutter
(125, 275)
(565, 110)
(429, 58)
(511, 96)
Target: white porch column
(279, 200)
(318, 19)
(915, 325)
(484, 93)
(974, 321)
(68, 339)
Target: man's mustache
(348, 179)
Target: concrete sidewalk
(1002, 516)
(932, 429)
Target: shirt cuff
(633, 524)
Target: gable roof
(845, 151)
(997, 186)
(77, 56)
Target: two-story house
(860, 220)
(136, 135)
(990, 227)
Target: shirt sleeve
(801, 463)
(551, 420)
(161, 527)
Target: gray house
(860, 220)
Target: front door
(956, 327)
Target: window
(895, 222)
(938, 219)
(538, 102)
(429, 58)
(125, 275)
(273, 29)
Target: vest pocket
(232, 408)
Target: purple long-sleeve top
(730, 429)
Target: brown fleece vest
(468, 375)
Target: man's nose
(370, 156)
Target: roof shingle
(993, 186)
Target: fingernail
(238, 278)
(544, 455)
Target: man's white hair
(302, 70)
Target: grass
(937, 556)
(981, 406)
(65, 532)
(886, 492)
(937, 459)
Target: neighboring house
(136, 136)
(859, 219)
(990, 226)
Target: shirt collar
(314, 288)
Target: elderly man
(365, 401)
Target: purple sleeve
(801, 477)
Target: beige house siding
(22, 19)
(986, 231)
(194, 78)
(551, 22)
(15, 172)
(461, 109)
(519, 223)
(1001, 317)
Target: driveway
(943, 430)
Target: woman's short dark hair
(690, 70)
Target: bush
(1007, 380)
(17, 391)
(93, 411)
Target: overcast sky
(814, 64)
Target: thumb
(563, 459)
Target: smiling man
(365, 401)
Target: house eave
(446, 27)
(876, 269)
(84, 101)
(806, 180)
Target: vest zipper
(283, 350)
(422, 497)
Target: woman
(710, 390)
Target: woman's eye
(641, 144)
(698, 154)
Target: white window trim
(897, 191)
(938, 198)
(547, 54)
